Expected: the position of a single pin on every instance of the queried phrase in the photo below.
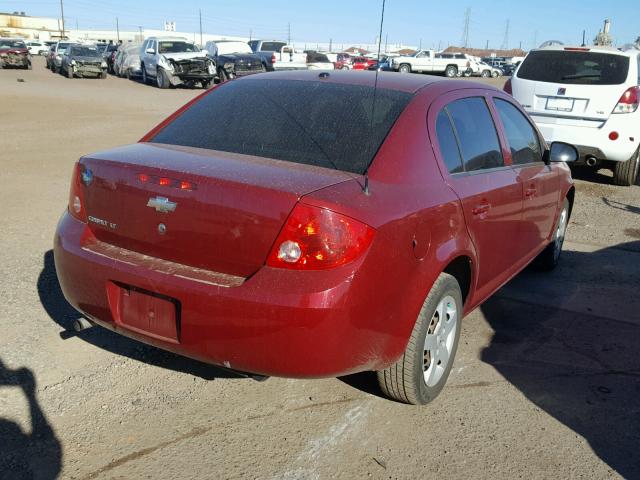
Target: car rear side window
(448, 143)
(523, 140)
(271, 46)
(296, 121)
(575, 68)
(477, 134)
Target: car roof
(387, 80)
(590, 48)
(169, 39)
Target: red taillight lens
(76, 194)
(316, 238)
(629, 101)
(508, 88)
(273, 58)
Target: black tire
(53, 68)
(29, 67)
(145, 77)
(451, 71)
(549, 258)
(162, 80)
(495, 74)
(222, 76)
(70, 73)
(127, 74)
(626, 173)
(485, 73)
(405, 380)
(103, 75)
(404, 68)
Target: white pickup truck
(277, 55)
(426, 61)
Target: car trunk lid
(206, 209)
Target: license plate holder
(560, 104)
(144, 312)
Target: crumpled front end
(192, 69)
(14, 59)
(89, 69)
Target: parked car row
(76, 60)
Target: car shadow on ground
(602, 176)
(583, 370)
(37, 454)
(61, 312)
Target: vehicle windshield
(314, 57)
(300, 122)
(62, 47)
(575, 67)
(83, 52)
(225, 48)
(177, 47)
(11, 43)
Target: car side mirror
(150, 51)
(562, 152)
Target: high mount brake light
(629, 101)
(76, 194)
(316, 238)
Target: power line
(465, 30)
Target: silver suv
(172, 61)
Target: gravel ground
(545, 384)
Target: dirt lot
(545, 385)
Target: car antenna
(365, 190)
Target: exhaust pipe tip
(591, 161)
(82, 324)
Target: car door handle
(530, 192)
(481, 209)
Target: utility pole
(200, 15)
(118, 29)
(62, 15)
(289, 33)
(141, 36)
(505, 41)
(465, 31)
(420, 47)
(386, 42)
(487, 47)
(584, 38)
(330, 45)
(250, 34)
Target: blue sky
(352, 21)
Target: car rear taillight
(629, 101)
(316, 238)
(76, 195)
(507, 87)
(273, 58)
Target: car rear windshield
(272, 46)
(9, 43)
(308, 122)
(575, 68)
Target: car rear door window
(523, 140)
(477, 134)
(448, 143)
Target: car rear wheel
(422, 371)
(495, 74)
(626, 173)
(550, 256)
(70, 72)
(405, 68)
(222, 75)
(451, 71)
(486, 73)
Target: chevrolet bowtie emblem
(162, 204)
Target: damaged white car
(172, 61)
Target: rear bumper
(594, 140)
(277, 322)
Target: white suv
(589, 97)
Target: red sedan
(293, 240)
(363, 63)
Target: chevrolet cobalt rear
(265, 228)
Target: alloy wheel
(439, 341)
